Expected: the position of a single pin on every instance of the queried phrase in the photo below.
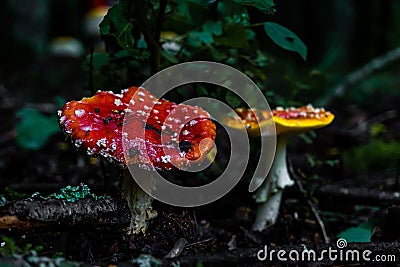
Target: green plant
(144, 36)
(34, 128)
(377, 155)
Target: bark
(88, 211)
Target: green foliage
(219, 31)
(285, 38)
(361, 233)
(263, 5)
(3, 200)
(377, 155)
(34, 129)
(9, 247)
(117, 24)
(108, 70)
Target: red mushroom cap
(108, 124)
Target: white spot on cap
(166, 159)
(102, 142)
(185, 132)
(192, 122)
(141, 93)
(78, 142)
(118, 102)
(62, 119)
(79, 112)
(132, 102)
(113, 146)
(146, 107)
(141, 99)
(155, 111)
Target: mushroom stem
(139, 202)
(269, 194)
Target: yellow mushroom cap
(288, 120)
(294, 120)
(252, 119)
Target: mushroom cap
(288, 120)
(305, 118)
(153, 133)
(252, 119)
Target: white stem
(270, 192)
(139, 203)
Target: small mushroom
(287, 121)
(110, 124)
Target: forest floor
(214, 234)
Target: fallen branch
(359, 195)
(88, 211)
(358, 75)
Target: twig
(365, 125)
(311, 205)
(358, 75)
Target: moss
(70, 193)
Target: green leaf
(169, 57)
(266, 6)
(196, 38)
(234, 35)
(116, 24)
(232, 100)
(34, 129)
(213, 27)
(285, 38)
(361, 233)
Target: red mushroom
(158, 135)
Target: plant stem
(151, 38)
(139, 203)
